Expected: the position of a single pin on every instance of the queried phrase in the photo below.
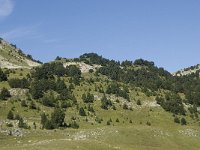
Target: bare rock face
(82, 66)
(15, 132)
(11, 131)
(18, 92)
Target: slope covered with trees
(128, 96)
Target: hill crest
(12, 57)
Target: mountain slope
(95, 103)
(188, 71)
(11, 57)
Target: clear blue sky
(164, 31)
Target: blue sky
(164, 31)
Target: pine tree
(23, 103)
(22, 124)
(176, 120)
(183, 121)
(3, 76)
(58, 117)
(82, 112)
(32, 105)
(43, 119)
(4, 94)
(60, 86)
(10, 115)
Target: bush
(4, 94)
(82, 112)
(10, 115)
(74, 125)
(22, 124)
(17, 117)
(43, 119)
(3, 76)
(98, 120)
(91, 71)
(139, 102)
(19, 83)
(58, 117)
(176, 120)
(105, 103)
(108, 122)
(91, 109)
(49, 125)
(66, 104)
(183, 121)
(56, 120)
(125, 106)
(9, 125)
(48, 100)
(114, 88)
(32, 105)
(34, 125)
(172, 103)
(89, 98)
(23, 103)
(148, 123)
(114, 107)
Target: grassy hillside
(127, 106)
(12, 57)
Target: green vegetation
(5, 94)
(128, 105)
(89, 98)
(105, 103)
(10, 115)
(56, 120)
(19, 83)
(3, 76)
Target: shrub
(91, 71)
(125, 106)
(23, 103)
(108, 122)
(183, 121)
(91, 109)
(17, 117)
(32, 105)
(176, 120)
(139, 102)
(82, 112)
(56, 120)
(66, 104)
(9, 125)
(4, 94)
(48, 100)
(22, 124)
(148, 123)
(58, 117)
(89, 98)
(10, 115)
(3, 76)
(105, 103)
(98, 120)
(34, 125)
(19, 83)
(74, 125)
